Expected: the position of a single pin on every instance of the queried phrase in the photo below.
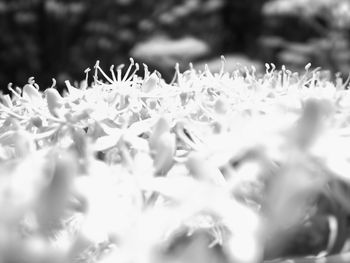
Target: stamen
(111, 69)
(280, 78)
(207, 72)
(307, 67)
(54, 82)
(15, 93)
(104, 74)
(95, 73)
(86, 71)
(283, 75)
(36, 86)
(222, 68)
(247, 73)
(19, 90)
(315, 76)
(137, 67)
(289, 74)
(338, 80)
(146, 71)
(346, 83)
(273, 67)
(132, 62)
(302, 80)
(176, 75)
(31, 80)
(119, 72)
(253, 70)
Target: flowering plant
(212, 167)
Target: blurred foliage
(244, 23)
(59, 38)
(303, 31)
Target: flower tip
(120, 67)
(54, 82)
(31, 80)
(273, 66)
(308, 66)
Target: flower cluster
(208, 168)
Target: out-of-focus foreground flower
(213, 167)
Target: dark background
(60, 39)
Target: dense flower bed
(213, 167)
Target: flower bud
(31, 93)
(36, 121)
(150, 83)
(54, 101)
